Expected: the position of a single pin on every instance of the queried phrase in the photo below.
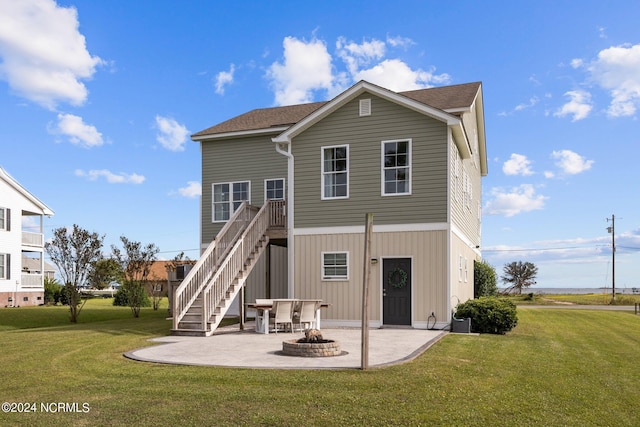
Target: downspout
(290, 238)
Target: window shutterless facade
(335, 266)
(274, 189)
(335, 172)
(227, 198)
(396, 167)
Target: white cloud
(77, 131)
(44, 56)
(110, 177)
(518, 164)
(306, 68)
(571, 162)
(224, 78)
(517, 200)
(617, 69)
(192, 190)
(549, 174)
(532, 102)
(398, 76)
(173, 135)
(579, 105)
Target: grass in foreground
(557, 367)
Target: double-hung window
(274, 189)
(396, 167)
(227, 198)
(5, 266)
(335, 266)
(4, 219)
(335, 172)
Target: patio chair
(283, 310)
(307, 314)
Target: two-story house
(22, 265)
(414, 159)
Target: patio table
(263, 310)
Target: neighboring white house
(22, 265)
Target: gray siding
(388, 121)
(244, 159)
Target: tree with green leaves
(74, 252)
(104, 272)
(519, 275)
(135, 261)
(485, 281)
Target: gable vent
(365, 107)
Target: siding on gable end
(389, 121)
(465, 214)
(244, 159)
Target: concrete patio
(247, 349)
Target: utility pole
(612, 230)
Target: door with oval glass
(396, 291)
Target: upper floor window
(4, 219)
(274, 189)
(396, 167)
(227, 198)
(335, 172)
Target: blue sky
(98, 100)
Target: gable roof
(449, 99)
(24, 192)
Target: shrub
(485, 280)
(489, 315)
(131, 295)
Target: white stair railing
(201, 273)
(216, 291)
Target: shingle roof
(443, 98)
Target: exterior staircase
(205, 295)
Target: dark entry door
(396, 291)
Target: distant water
(536, 290)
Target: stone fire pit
(312, 345)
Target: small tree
(74, 252)
(52, 291)
(136, 263)
(104, 272)
(519, 275)
(178, 260)
(485, 282)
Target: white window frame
(4, 219)
(324, 173)
(466, 270)
(459, 268)
(5, 274)
(383, 169)
(284, 189)
(334, 277)
(231, 201)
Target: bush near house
(129, 291)
(489, 315)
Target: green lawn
(557, 367)
(581, 299)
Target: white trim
(325, 278)
(284, 188)
(238, 134)
(286, 151)
(459, 234)
(383, 181)
(322, 171)
(355, 91)
(4, 175)
(379, 228)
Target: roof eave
(33, 199)
(238, 134)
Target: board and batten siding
(251, 159)
(462, 258)
(388, 121)
(427, 249)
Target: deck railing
(32, 239)
(31, 280)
